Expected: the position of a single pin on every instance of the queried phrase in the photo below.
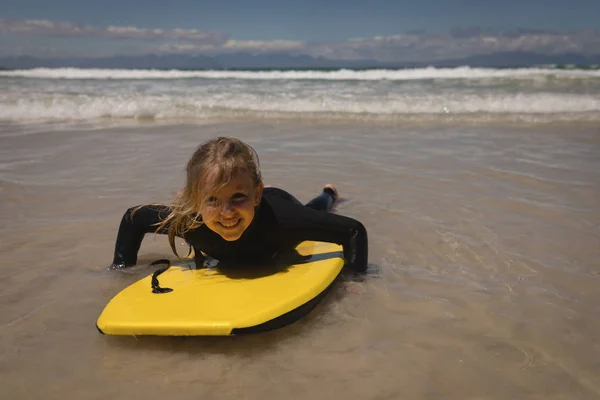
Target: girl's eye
(211, 200)
(239, 197)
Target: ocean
(479, 188)
(410, 95)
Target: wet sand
(484, 278)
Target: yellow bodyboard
(222, 301)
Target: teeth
(229, 224)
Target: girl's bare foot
(332, 190)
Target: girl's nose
(227, 208)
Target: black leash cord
(155, 284)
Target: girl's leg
(325, 200)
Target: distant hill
(284, 61)
(150, 61)
(173, 61)
(517, 59)
(493, 60)
(272, 61)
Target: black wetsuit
(281, 222)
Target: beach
(483, 224)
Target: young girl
(225, 212)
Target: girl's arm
(133, 227)
(308, 224)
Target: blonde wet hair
(212, 166)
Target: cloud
(265, 46)
(424, 46)
(410, 46)
(69, 29)
(420, 46)
(234, 46)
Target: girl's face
(230, 210)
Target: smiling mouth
(229, 224)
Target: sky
(385, 30)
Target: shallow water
(483, 281)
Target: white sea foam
(459, 94)
(342, 74)
(79, 108)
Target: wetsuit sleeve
(303, 223)
(132, 229)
